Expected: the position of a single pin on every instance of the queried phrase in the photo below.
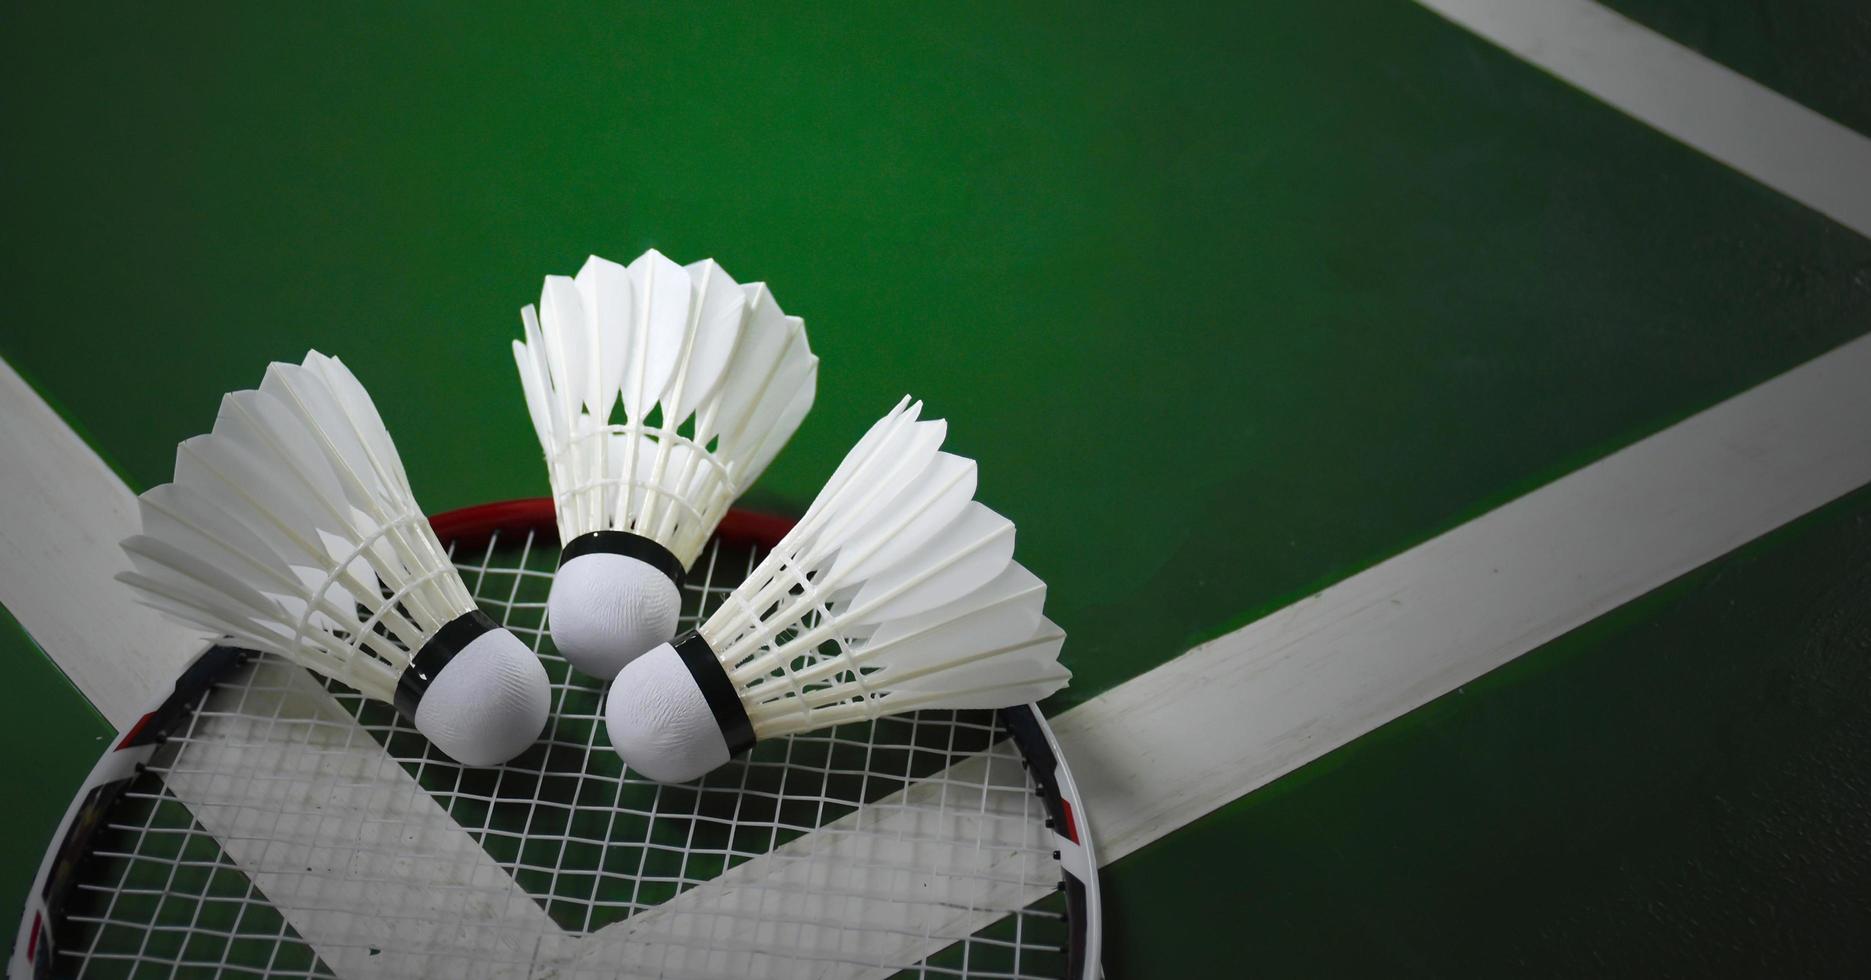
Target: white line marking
(862, 890)
(1167, 747)
(1728, 116)
(375, 875)
(62, 512)
(370, 870)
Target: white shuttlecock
(713, 379)
(895, 591)
(291, 528)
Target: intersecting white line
(64, 511)
(1167, 747)
(1161, 750)
(871, 887)
(1728, 116)
(372, 872)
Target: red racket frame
(470, 527)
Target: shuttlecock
(713, 379)
(291, 528)
(895, 591)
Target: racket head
(260, 820)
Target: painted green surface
(1681, 788)
(1814, 52)
(1229, 302)
(56, 736)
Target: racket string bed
(290, 827)
(164, 817)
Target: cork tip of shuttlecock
(660, 723)
(488, 704)
(606, 610)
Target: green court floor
(1230, 302)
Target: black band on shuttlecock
(435, 654)
(627, 544)
(712, 680)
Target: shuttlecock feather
(292, 529)
(712, 379)
(895, 591)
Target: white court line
(892, 882)
(62, 512)
(1167, 747)
(279, 803)
(1171, 745)
(1682, 94)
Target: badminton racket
(260, 820)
